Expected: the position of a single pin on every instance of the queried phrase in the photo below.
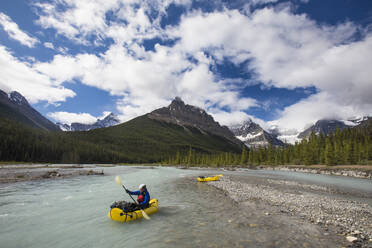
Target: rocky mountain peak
(177, 104)
(323, 127)
(248, 122)
(20, 110)
(110, 120)
(187, 115)
(111, 116)
(356, 120)
(248, 126)
(17, 98)
(3, 94)
(64, 127)
(253, 135)
(178, 100)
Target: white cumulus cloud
(280, 48)
(68, 118)
(15, 32)
(289, 51)
(49, 45)
(148, 83)
(22, 77)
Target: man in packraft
(143, 198)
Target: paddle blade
(118, 180)
(145, 215)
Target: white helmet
(142, 186)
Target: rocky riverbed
(358, 171)
(320, 205)
(28, 172)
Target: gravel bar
(350, 218)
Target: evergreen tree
(243, 159)
(189, 158)
(251, 156)
(329, 153)
(178, 158)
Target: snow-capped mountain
(323, 127)
(14, 106)
(330, 126)
(288, 136)
(17, 98)
(355, 121)
(253, 135)
(108, 121)
(365, 121)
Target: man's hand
(127, 191)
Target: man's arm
(133, 192)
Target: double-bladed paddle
(118, 181)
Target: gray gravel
(17, 173)
(309, 202)
(326, 171)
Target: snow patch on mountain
(354, 121)
(290, 139)
(110, 120)
(17, 98)
(249, 136)
(253, 135)
(17, 108)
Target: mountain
(108, 121)
(356, 121)
(365, 121)
(186, 115)
(253, 135)
(15, 107)
(153, 137)
(323, 127)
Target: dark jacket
(146, 197)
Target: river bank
(314, 204)
(358, 171)
(10, 173)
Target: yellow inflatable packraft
(207, 179)
(118, 214)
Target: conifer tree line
(116, 145)
(192, 158)
(141, 140)
(21, 143)
(344, 147)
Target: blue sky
(282, 63)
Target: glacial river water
(73, 212)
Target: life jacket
(141, 197)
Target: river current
(72, 212)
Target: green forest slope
(139, 140)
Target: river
(73, 212)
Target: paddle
(118, 181)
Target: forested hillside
(139, 140)
(15, 107)
(23, 143)
(344, 147)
